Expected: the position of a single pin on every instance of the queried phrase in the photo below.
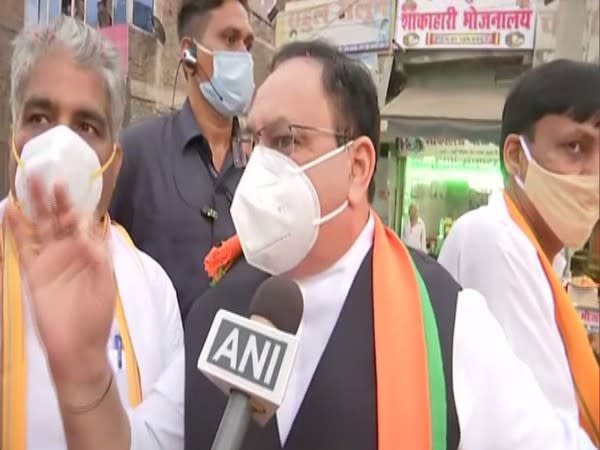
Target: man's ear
(513, 156)
(362, 161)
(188, 56)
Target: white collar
(497, 202)
(324, 297)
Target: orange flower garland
(221, 258)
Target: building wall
(11, 21)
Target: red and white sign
(351, 25)
(466, 24)
(119, 36)
(590, 318)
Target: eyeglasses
(282, 136)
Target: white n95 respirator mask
(60, 155)
(276, 210)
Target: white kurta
(499, 404)
(415, 236)
(486, 251)
(152, 314)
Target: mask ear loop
(202, 47)
(525, 147)
(331, 215)
(96, 173)
(319, 160)
(325, 157)
(13, 148)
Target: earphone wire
(175, 85)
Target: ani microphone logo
(247, 353)
(251, 357)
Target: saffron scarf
(411, 388)
(14, 357)
(584, 367)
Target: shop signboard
(119, 36)
(452, 151)
(547, 25)
(590, 318)
(466, 24)
(351, 25)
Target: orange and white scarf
(584, 366)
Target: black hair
(349, 86)
(192, 9)
(558, 87)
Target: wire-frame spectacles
(283, 137)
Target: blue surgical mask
(230, 89)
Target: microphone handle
(234, 423)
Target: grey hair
(90, 50)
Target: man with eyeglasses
(550, 156)
(392, 353)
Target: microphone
(209, 213)
(251, 360)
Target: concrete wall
(583, 44)
(11, 21)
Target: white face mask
(61, 155)
(276, 210)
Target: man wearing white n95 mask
(91, 333)
(392, 353)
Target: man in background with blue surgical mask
(180, 170)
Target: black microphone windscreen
(279, 301)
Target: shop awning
(472, 113)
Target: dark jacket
(164, 194)
(339, 410)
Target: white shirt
(488, 252)
(415, 236)
(562, 265)
(499, 404)
(154, 324)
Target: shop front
(445, 178)
(445, 154)
(459, 61)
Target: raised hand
(69, 278)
